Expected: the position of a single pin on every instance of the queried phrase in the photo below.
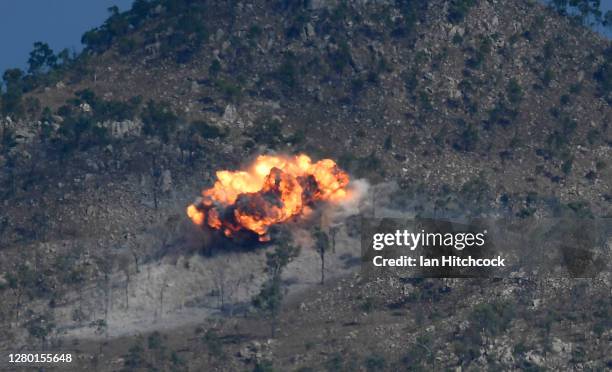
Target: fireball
(272, 190)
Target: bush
(264, 366)
(493, 318)
(468, 139)
(287, 72)
(267, 131)
(548, 77)
(230, 91)
(135, 357)
(206, 130)
(215, 68)
(502, 114)
(476, 60)
(80, 133)
(335, 363)
(341, 58)
(566, 167)
(158, 120)
(103, 110)
(514, 91)
(603, 76)
(458, 9)
(374, 363)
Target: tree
(158, 120)
(41, 327)
(63, 57)
(322, 246)
(41, 59)
(333, 231)
(584, 11)
(125, 262)
(11, 99)
(284, 253)
(270, 297)
(269, 301)
(106, 264)
(607, 20)
(12, 78)
(214, 345)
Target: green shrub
(548, 77)
(335, 363)
(467, 140)
(267, 131)
(374, 363)
(502, 114)
(231, 91)
(493, 318)
(135, 356)
(457, 39)
(566, 167)
(603, 76)
(514, 91)
(264, 366)
(368, 305)
(287, 72)
(206, 130)
(458, 9)
(215, 68)
(158, 120)
(341, 58)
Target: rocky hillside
(495, 107)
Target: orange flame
(272, 190)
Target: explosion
(274, 189)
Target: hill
(472, 107)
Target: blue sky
(60, 23)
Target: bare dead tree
(124, 263)
(220, 282)
(105, 264)
(156, 178)
(322, 246)
(333, 230)
(161, 296)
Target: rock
(454, 93)
(24, 135)
(90, 210)
(457, 30)
(195, 87)
(219, 35)
(85, 107)
(122, 129)
(231, 117)
(559, 346)
(495, 21)
(3, 281)
(534, 358)
(310, 31)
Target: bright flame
(272, 190)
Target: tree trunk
(127, 288)
(322, 267)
